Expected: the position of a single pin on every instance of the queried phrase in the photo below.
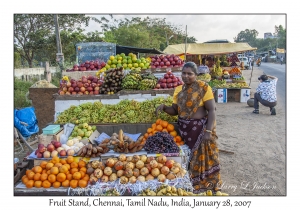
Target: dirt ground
(258, 165)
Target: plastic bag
(68, 128)
(25, 121)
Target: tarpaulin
(208, 48)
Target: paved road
(278, 71)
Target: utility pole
(59, 54)
(185, 43)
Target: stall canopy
(127, 49)
(208, 48)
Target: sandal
(256, 111)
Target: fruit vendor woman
(194, 104)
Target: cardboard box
(46, 139)
(233, 95)
(221, 95)
(245, 95)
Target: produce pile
(161, 142)
(82, 130)
(123, 144)
(54, 148)
(132, 81)
(204, 77)
(87, 85)
(112, 81)
(133, 169)
(149, 81)
(92, 65)
(233, 60)
(217, 70)
(57, 173)
(163, 126)
(165, 61)
(126, 111)
(222, 84)
(167, 190)
(169, 80)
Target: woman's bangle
(208, 131)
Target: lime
(141, 65)
(111, 57)
(113, 66)
(129, 65)
(124, 65)
(107, 66)
(115, 61)
(129, 61)
(125, 61)
(136, 65)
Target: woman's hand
(160, 108)
(207, 136)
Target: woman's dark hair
(191, 65)
(264, 77)
(203, 61)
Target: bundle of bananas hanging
(149, 82)
(216, 71)
(204, 77)
(131, 81)
(65, 78)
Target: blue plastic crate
(51, 129)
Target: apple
(176, 58)
(89, 89)
(96, 92)
(86, 85)
(82, 89)
(50, 147)
(39, 155)
(70, 89)
(157, 85)
(175, 79)
(86, 92)
(165, 60)
(175, 84)
(158, 60)
(63, 153)
(168, 63)
(163, 85)
(166, 76)
(57, 143)
(169, 80)
(76, 89)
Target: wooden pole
(185, 43)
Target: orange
(178, 138)
(69, 177)
(56, 184)
(46, 184)
(52, 178)
(81, 164)
(28, 171)
(149, 130)
(159, 127)
(170, 127)
(67, 172)
(82, 173)
(44, 171)
(55, 159)
(181, 143)
(74, 183)
(54, 170)
(61, 177)
(73, 170)
(63, 169)
(67, 165)
(82, 183)
(43, 164)
(164, 123)
(173, 133)
(38, 184)
(29, 184)
(25, 179)
(63, 161)
(57, 165)
(30, 175)
(70, 159)
(158, 121)
(37, 177)
(44, 177)
(49, 165)
(164, 130)
(74, 165)
(154, 132)
(146, 135)
(65, 183)
(37, 169)
(144, 139)
(77, 175)
(150, 134)
(153, 126)
(49, 172)
(83, 169)
(86, 177)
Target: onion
(135, 158)
(169, 163)
(139, 164)
(155, 172)
(171, 176)
(108, 171)
(113, 177)
(59, 149)
(162, 159)
(129, 159)
(129, 165)
(132, 179)
(122, 157)
(144, 158)
(54, 153)
(123, 180)
(98, 173)
(141, 178)
(144, 171)
(149, 159)
(161, 178)
(153, 164)
(165, 170)
(110, 162)
(175, 169)
(136, 172)
(128, 172)
(104, 178)
(120, 173)
(159, 165)
(119, 165)
(149, 177)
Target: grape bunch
(161, 142)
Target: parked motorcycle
(258, 62)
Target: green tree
(248, 36)
(280, 33)
(32, 32)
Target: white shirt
(267, 90)
(203, 69)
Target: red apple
(157, 85)
(96, 92)
(170, 85)
(57, 144)
(163, 85)
(50, 147)
(168, 63)
(91, 93)
(70, 89)
(63, 153)
(164, 81)
(169, 80)
(76, 89)
(175, 79)
(82, 89)
(86, 92)
(166, 76)
(39, 155)
(86, 85)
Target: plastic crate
(51, 129)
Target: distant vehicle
(246, 62)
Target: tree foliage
(32, 32)
(248, 36)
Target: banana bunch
(217, 71)
(147, 84)
(131, 81)
(204, 77)
(65, 78)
